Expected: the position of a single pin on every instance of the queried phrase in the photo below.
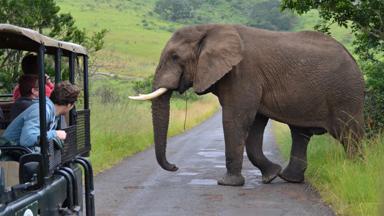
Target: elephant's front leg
(236, 123)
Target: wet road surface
(138, 186)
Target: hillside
(130, 49)
(136, 35)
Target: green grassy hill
(130, 48)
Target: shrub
(373, 110)
(107, 94)
(374, 100)
(267, 15)
(174, 10)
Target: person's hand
(61, 134)
(48, 79)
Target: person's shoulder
(24, 100)
(49, 102)
(31, 110)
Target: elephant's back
(306, 75)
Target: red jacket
(49, 86)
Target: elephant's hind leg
(294, 172)
(254, 147)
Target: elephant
(305, 79)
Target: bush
(373, 110)
(107, 94)
(267, 15)
(374, 100)
(174, 10)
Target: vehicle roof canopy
(15, 37)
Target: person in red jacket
(29, 65)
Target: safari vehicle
(49, 182)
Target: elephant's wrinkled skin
(305, 79)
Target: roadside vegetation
(349, 187)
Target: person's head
(64, 97)
(29, 64)
(29, 86)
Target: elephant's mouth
(182, 89)
(183, 85)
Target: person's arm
(49, 86)
(31, 128)
(16, 93)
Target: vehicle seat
(5, 120)
(9, 161)
(11, 172)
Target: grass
(351, 187)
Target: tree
(268, 15)
(174, 10)
(365, 17)
(44, 17)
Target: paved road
(138, 186)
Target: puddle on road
(208, 149)
(203, 182)
(254, 172)
(252, 183)
(220, 166)
(211, 154)
(266, 153)
(187, 174)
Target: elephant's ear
(220, 49)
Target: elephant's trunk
(160, 118)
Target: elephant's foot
(231, 180)
(294, 172)
(270, 173)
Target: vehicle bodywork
(56, 185)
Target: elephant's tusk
(149, 96)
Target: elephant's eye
(175, 57)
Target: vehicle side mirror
(31, 170)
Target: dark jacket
(20, 105)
